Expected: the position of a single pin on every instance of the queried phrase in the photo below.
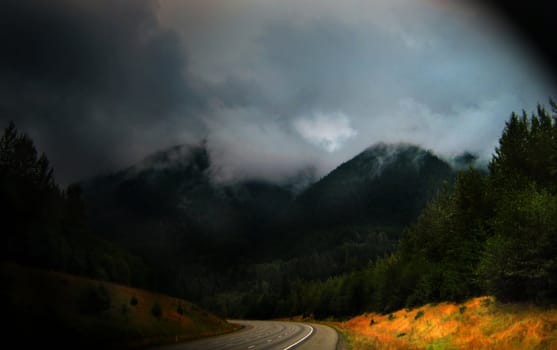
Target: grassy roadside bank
(46, 307)
(479, 323)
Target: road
(266, 335)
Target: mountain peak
(384, 183)
(385, 151)
(373, 160)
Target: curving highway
(267, 335)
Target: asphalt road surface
(267, 335)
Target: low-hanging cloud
(275, 87)
(326, 131)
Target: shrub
(419, 314)
(156, 310)
(391, 317)
(486, 302)
(133, 301)
(462, 309)
(94, 299)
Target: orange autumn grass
(480, 323)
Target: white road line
(301, 340)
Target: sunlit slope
(45, 307)
(480, 323)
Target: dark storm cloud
(93, 81)
(325, 79)
(275, 86)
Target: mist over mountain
(317, 158)
(273, 85)
(171, 210)
(386, 184)
(170, 200)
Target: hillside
(386, 184)
(170, 202)
(168, 205)
(479, 323)
(73, 312)
(228, 246)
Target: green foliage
(526, 151)
(486, 231)
(462, 309)
(520, 260)
(94, 299)
(156, 310)
(491, 232)
(341, 224)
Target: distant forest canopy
(237, 248)
(493, 232)
(258, 250)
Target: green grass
(441, 344)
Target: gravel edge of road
(342, 343)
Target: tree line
(45, 226)
(493, 232)
(490, 231)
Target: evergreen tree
(26, 188)
(46, 227)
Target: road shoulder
(324, 337)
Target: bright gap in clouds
(328, 131)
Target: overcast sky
(274, 86)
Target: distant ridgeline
(395, 226)
(234, 247)
(238, 247)
(384, 185)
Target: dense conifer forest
(458, 233)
